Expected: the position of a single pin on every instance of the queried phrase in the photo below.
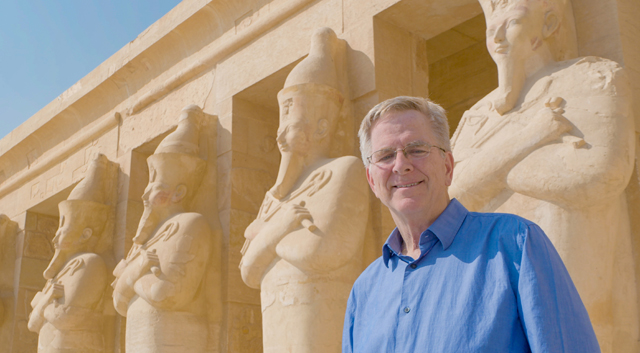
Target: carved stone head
(175, 172)
(517, 29)
(176, 163)
(83, 216)
(310, 101)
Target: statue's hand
(294, 216)
(57, 291)
(550, 121)
(150, 262)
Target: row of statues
(553, 143)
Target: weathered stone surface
(555, 143)
(232, 58)
(304, 250)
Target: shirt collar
(445, 228)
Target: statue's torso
(183, 328)
(85, 294)
(303, 309)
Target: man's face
(407, 187)
(515, 32)
(293, 135)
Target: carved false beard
(57, 263)
(511, 79)
(291, 166)
(148, 223)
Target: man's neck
(411, 227)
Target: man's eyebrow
(416, 143)
(410, 144)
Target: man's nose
(402, 164)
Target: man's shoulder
(499, 226)
(500, 217)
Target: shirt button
(407, 309)
(414, 265)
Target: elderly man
(450, 280)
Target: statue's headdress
(88, 201)
(317, 73)
(176, 160)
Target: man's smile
(408, 185)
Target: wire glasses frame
(413, 151)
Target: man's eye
(417, 151)
(385, 156)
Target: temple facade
(222, 64)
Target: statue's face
(515, 32)
(293, 133)
(68, 236)
(157, 194)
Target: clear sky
(48, 45)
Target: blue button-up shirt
(484, 282)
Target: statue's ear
(86, 233)
(322, 129)
(551, 24)
(179, 193)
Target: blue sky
(48, 45)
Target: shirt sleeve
(349, 318)
(552, 313)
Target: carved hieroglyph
(68, 313)
(304, 249)
(554, 143)
(159, 287)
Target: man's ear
(322, 129)
(551, 24)
(370, 181)
(86, 234)
(449, 164)
(179, 193)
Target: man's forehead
(390, 127)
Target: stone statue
(304, 249)
(159, 287)
(554, 143)
(68, 313)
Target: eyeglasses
(413, 151)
